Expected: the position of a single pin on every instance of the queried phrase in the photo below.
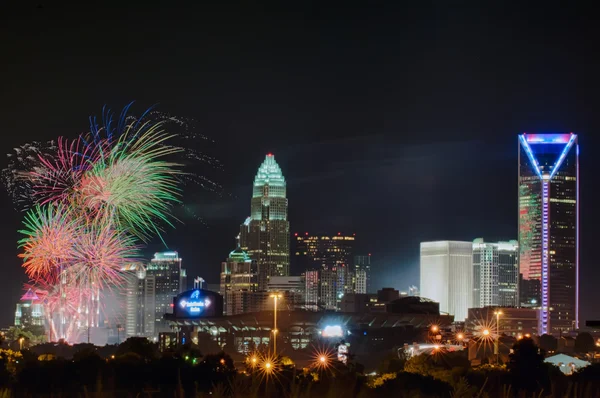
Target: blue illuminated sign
(194, 304)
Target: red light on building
(269, 154)
(306, 233)
(172, 305)
(296, 234)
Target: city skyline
(398, 123)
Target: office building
(495, 274)
(332, 257)
(447, 276)
(362, 274)
(265, 235)
(323, 251)
(29, 311)
(168, 279)
(140, 303)
(238, 274)
(548, 190)
(311, 293)
(295, 284)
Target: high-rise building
(265, 235)
(30, 311)
(238, 274)
(362, 272)
(140, 304)
(323, 251)
(332, 256)
(169, 279)
(548, 228)
(447, 276)
(495, 274)
(311, 298)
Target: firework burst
(91, 200)
(50, 232)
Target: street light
(497, 345)
(21, 340)
(275, 297)
(486, 332)
(434, 328)
(460, 337)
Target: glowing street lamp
(275, 297)
(21, 340)
(497, 345)
(268, 367)
(460, 337)
(434, 328)
(486, 332)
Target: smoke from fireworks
(90, 201)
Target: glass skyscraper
(548, 228)
(169, 280)
(265, 235)
(495, 274)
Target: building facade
(29, 311)
(495, 274)
(265, 235)
(362, 274)
(311, 290)
(295, 285)
(447, 276)
(238, 274)
(140, 304)
(548, 189)
(331, 256)
(167, 279)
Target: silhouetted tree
(548, 342)
(526, 367)
(584, 342)
(140, 346)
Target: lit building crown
(269, 173)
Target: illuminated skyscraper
(495, 274)
(447, 276)
(332, 256)
(362, 274)
(238, 274)
(265, 235)
(30, 311)
(168, 279)
(548, 228)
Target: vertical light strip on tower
(577, 242)
(545, 227)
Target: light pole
(275, 298)
(497, 345)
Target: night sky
(397, 123)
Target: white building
(495, 274)
(447, 276)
